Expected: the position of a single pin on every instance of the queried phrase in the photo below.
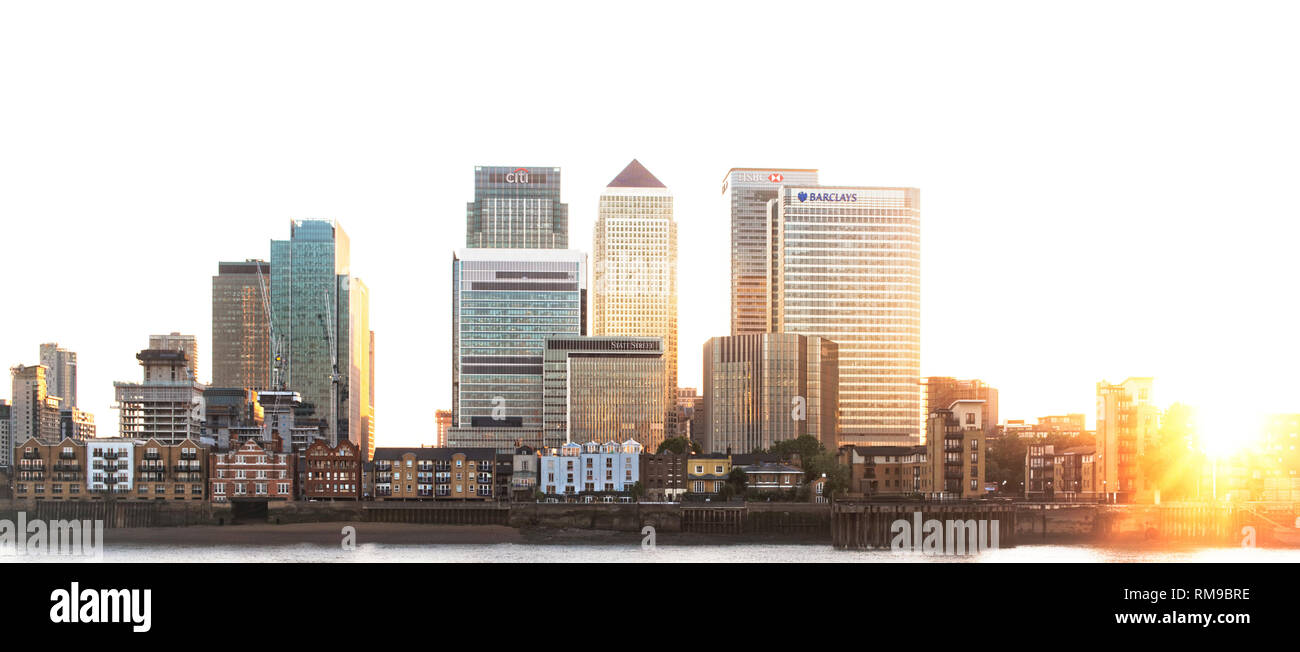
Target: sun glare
(1223, 431)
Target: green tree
(823, 463)
(805, 447)
(678, 445)
(738, 480)
(637, 490)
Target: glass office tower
(505, 303)
(847, 266)
(745, 193)
(312, 316)
(634, 269)
(517, 208)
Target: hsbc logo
(518, 176)
(758, 177)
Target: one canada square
(844, 262)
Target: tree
(738, 480)
(678, 445)
(805, 447)
(837, 475)
(637, 490)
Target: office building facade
(61, 373)
(241, 335)
(745, 194)
(634, 269)
(763, 388)
(505, 303)
(847, 266)
(516, 208)
(604, 389)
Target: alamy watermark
(57, 538)
(948, 537)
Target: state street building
(604, 389)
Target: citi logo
(775, 177)
(77, 605)
(520, 175)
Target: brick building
(332, 473)
(435, 473)
(170, 471)
(252, 470)
(663, 476)
(886, 470)
(49, 471)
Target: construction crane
(335, 377)
(278, 381)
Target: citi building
(517, 208)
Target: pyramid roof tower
(635, 176)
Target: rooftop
(635, 176)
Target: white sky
(1107, 190)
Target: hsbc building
(745, 193)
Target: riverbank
(331, 534)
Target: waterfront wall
(1027, 522)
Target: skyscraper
(241, 339)
(1127, 418)
(312, 316)
(505, 302)
(35, 411)
(516, 208)
(634, 269)
(361, 410)
(846, 265)
(61, 373)
(745, 193)
(763, 388)
(188, 344)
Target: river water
(612, 553)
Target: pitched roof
(635, 176)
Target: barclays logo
(828, 196)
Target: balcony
(152, 455)
(67, 455)
(31, 455)
(64, 466)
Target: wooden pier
(870, 526)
